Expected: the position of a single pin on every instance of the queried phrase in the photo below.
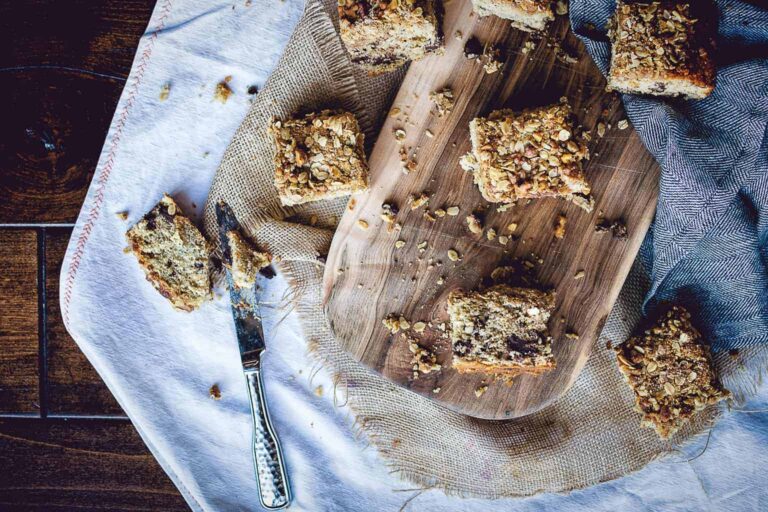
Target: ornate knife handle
(274, 491)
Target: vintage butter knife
(274, 491)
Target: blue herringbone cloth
(708, 247)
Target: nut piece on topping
(670, 371)
(173, 254)
(663, 48)
(246, 260)
(318, 156)
(528, 15)
(529, 155)
(381, 36)
(501, 331)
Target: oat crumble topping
(670, 371)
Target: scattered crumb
(452, 211)
(319, 390)
(223, 91)
(616, 227)
(560, 226)
(453, 255)
(579, 274)
(419, 201)
(165, 91)
(399, 134)
(419, 326)
(458, 35)
(436, 390)
(396, 323)
(623, 124)
(561, 7)
(122, 215)
(528, 47)
(503, 239)
(423, 360)
(429, 134)
(127, 250)
(474, 224)
(511, 227)
(491, 59)
(399, 244)
(362, 224)
(443, 100)
(351, 204)
(214, 392)
(394, 111)
(571, 335)
(480, 391)
(490, 234)
(601, 129)
(252, 89)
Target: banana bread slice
(536, 153)
(670, 372)
(174, 255)
(382, 36)
(318, 156)
(662, 48)
(528, 15)
(501, 331)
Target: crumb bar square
(381, 36)
(532, 154)
(528, 15)
(661, 48)
(501, 331)
(318, 156)
(670, 372)
(246, 260)
(174, 255)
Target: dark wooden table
(65, 444)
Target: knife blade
(274, 490)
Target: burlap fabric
(588, 436)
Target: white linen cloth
(160, 363)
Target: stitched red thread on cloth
(103, 177)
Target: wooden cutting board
(368, 278)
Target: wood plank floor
(65, 444)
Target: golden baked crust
(174, 255)
(533, 154)
(246, 260)
(382, 36)
(670, 372)
(661, 48)
(501, 331)
(528, 15)
(318, 156)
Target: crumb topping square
(670, 371)
(318, 156)
(532, 154)
(501, 330)
(381, 36)
(661, 48)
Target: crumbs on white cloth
(138, 343)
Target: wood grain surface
(64, 442)
(367, 278)
(18, 321)
(77, 464)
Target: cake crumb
(480, 391)
(560, 226)
(165, 91)
(214, 392)
(223, 91)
